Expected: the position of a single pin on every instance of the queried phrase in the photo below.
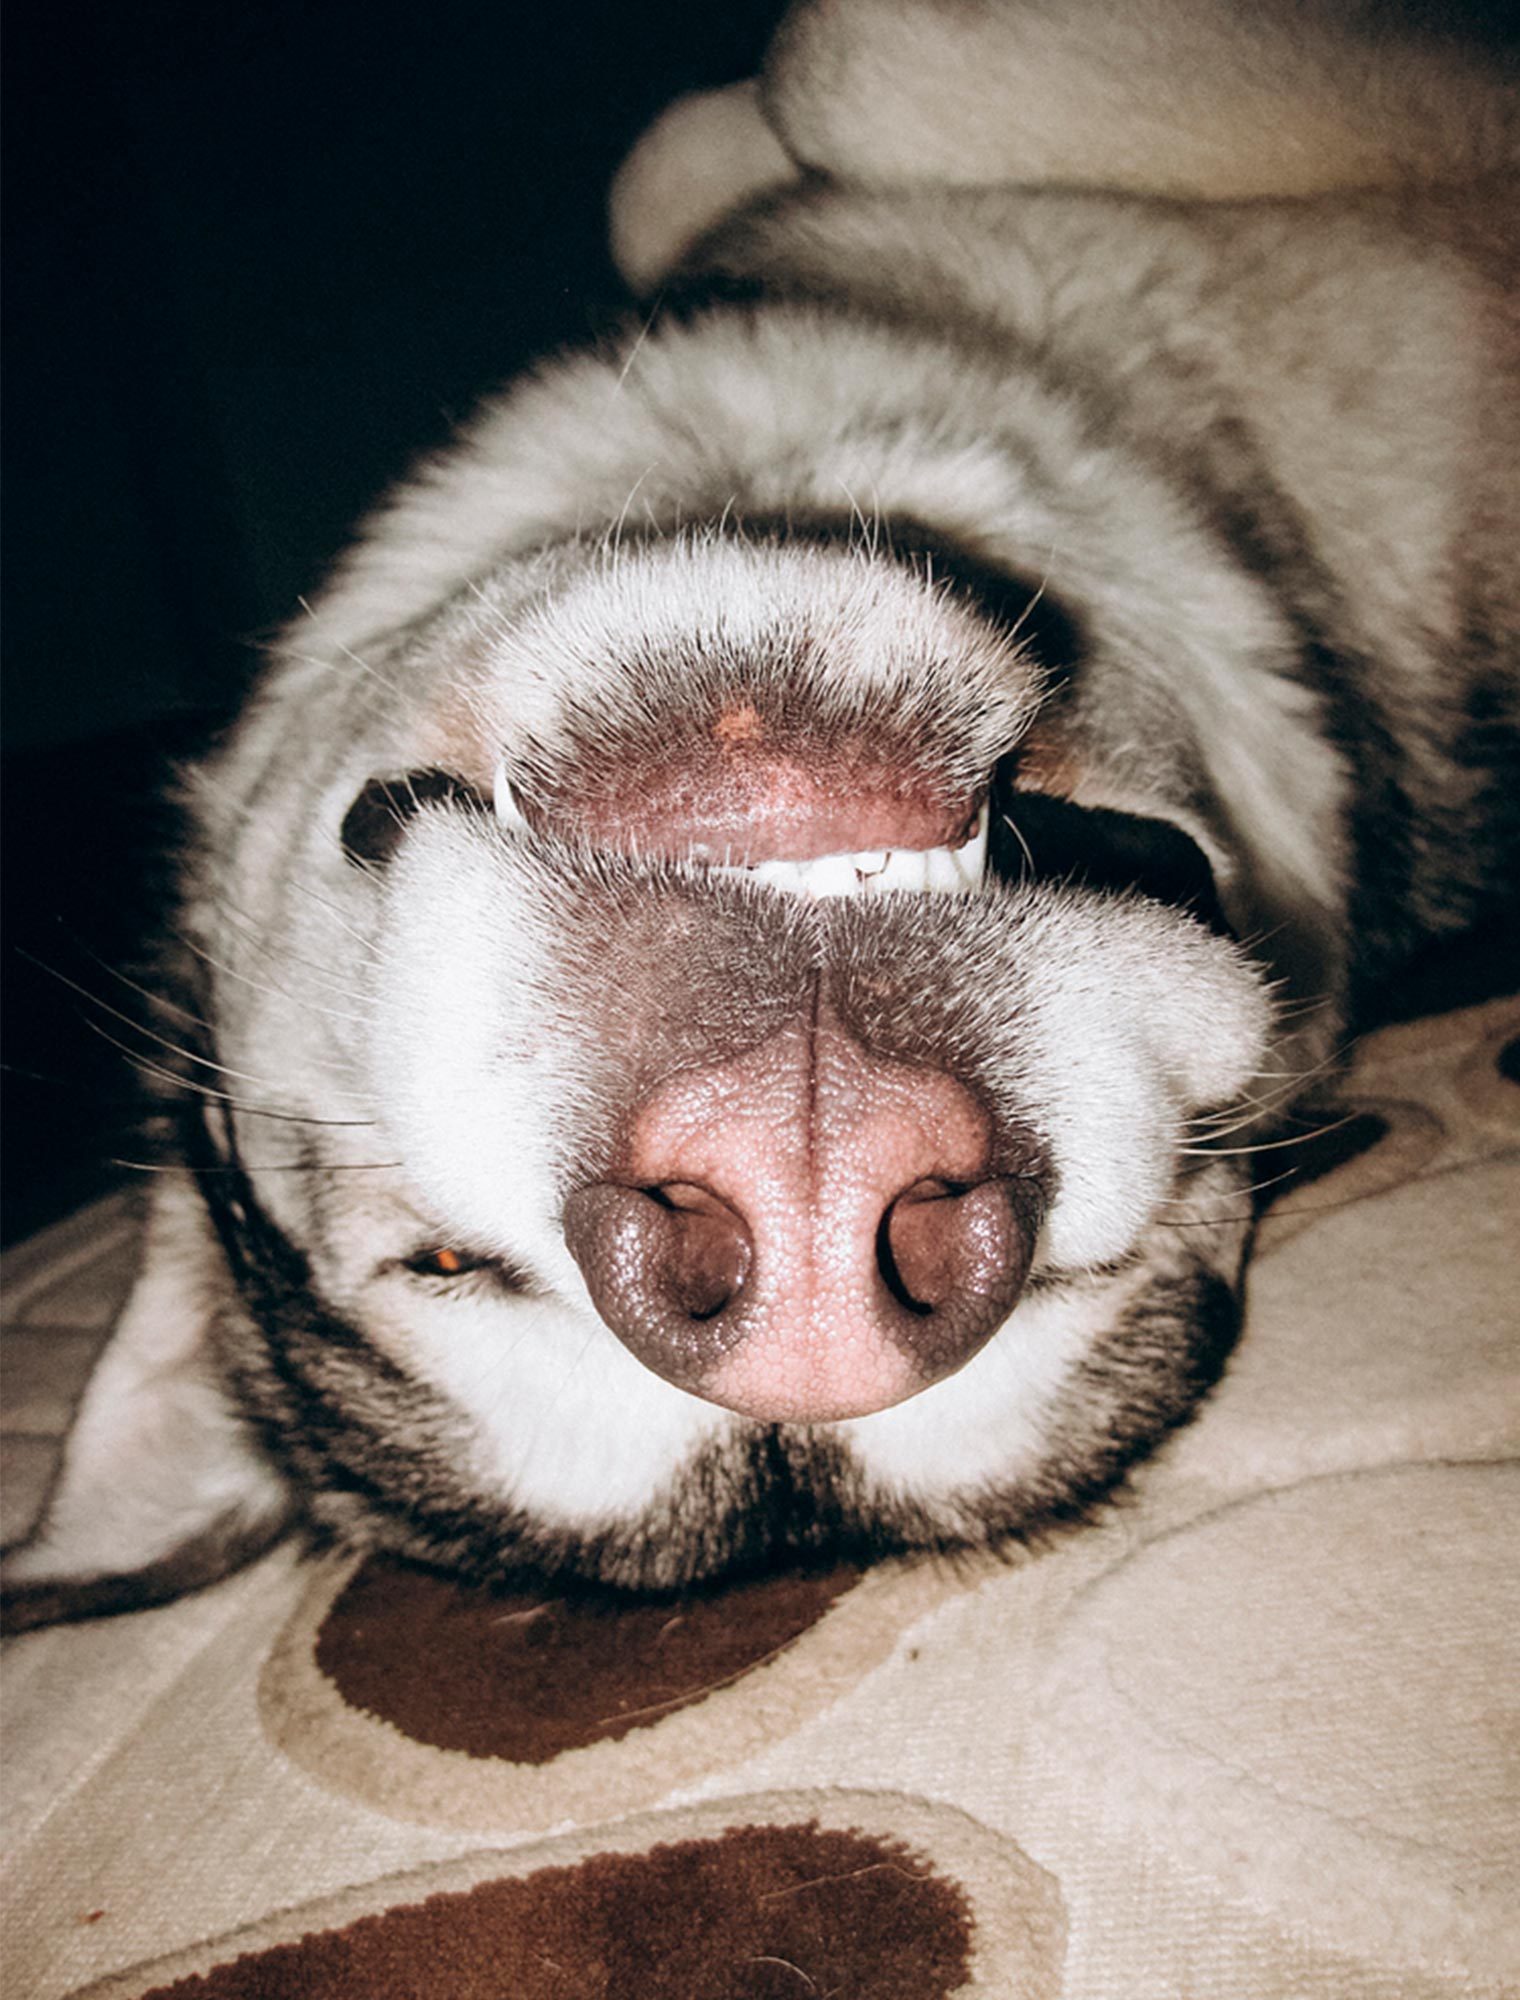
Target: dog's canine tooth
(504, 801)
(970, 858)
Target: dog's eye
(443, 1262)
(374, 823)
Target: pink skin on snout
(740, 793)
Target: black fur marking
(1154, 1367)
(1488, 750)
(379, 816)
(1226, 477)
(688, 295)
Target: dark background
(258, 255)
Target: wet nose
(665, 1266)
(905, 1294)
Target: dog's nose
(661, 1262)
(826, 1239)
(955, 1252)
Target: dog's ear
(162, 1487)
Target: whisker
(139, 1027)
(244, 1167)
(318, 660)
(154, 998)
(614, 537)
(236, 972)
(1211, 1152)
(254, 939)
(633, 352)
(192, 1086)
(365, 944)
(1024, 846)
(1500, 1156)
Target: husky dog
(744, 945)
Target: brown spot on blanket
(757, 1913)
(525, 1677)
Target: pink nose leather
(811, 1231)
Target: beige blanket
(1252, 1734)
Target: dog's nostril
(922, 1245)
(663, 1264)
(953, 1256)
(706, 1250)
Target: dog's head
(691, 1083)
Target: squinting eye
(442, 1263)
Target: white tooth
(873, 871)
(941, 870)
(504, 800)
(775, 874)
(830, 875)
(971, 859)
(905, 869)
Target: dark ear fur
(162, 1487)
